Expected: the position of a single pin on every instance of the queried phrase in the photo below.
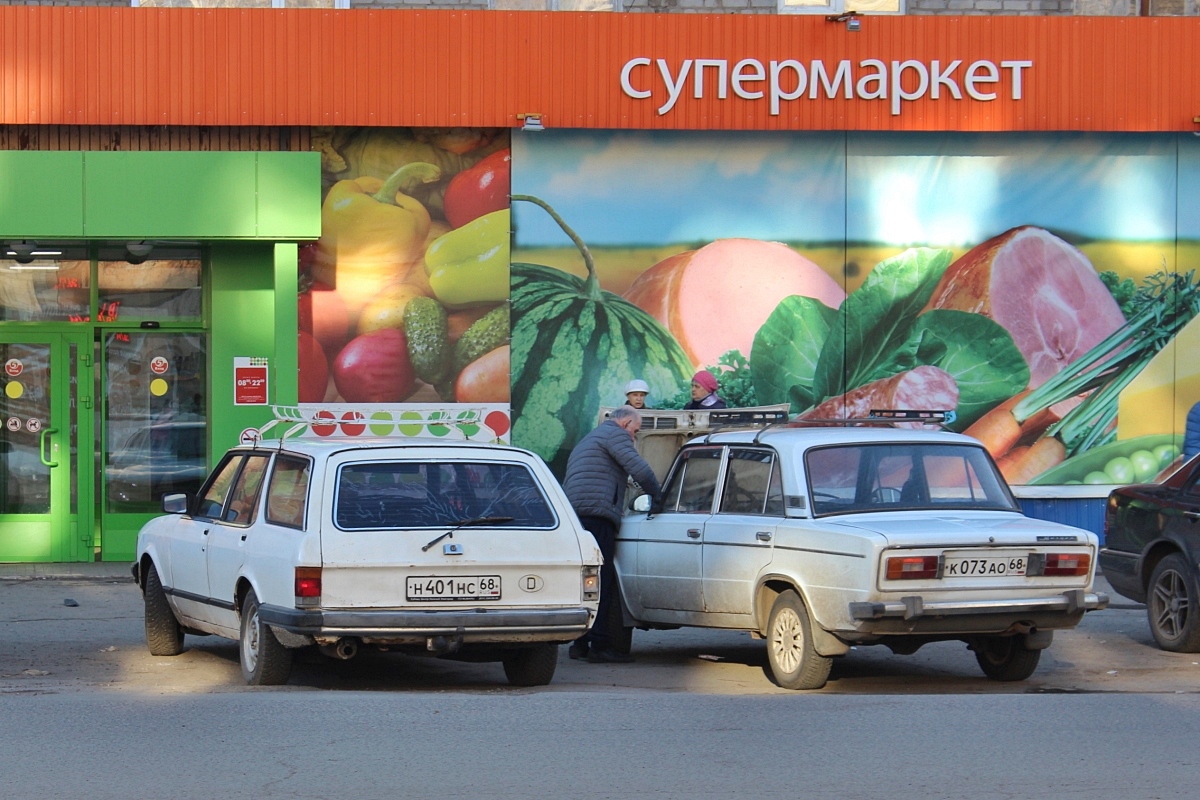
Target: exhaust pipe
(343, 649)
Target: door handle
(693, 533)
(1192, 514)
(763, 536)
(42, 446)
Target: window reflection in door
(24, 414)
(156, 439)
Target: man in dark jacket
(597, 472)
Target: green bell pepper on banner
(469, 265)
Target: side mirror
(642, 503)
(175, 503)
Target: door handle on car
(42, 446)
(694, 533)
(763, 536)
(1192, 514)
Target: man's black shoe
(578, 651)
(608, 656)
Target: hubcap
(787, 640)
(250, 642)
(1170, 604)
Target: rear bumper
(417, 627)
(913, 608)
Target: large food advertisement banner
(403, 303)
(1041, 287)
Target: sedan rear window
(888, 477)
(380, 495)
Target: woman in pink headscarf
(704, 392)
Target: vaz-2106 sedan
(818, 539)
(444, 548)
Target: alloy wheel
(1170, 603)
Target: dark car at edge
(1151, 550)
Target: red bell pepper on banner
(479, 190)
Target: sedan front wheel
(1171, 605)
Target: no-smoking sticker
(14, 367)
(159, 365)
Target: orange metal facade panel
(238, 67)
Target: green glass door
(45, 414)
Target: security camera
(22, 251)
(138, 251)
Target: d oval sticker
(530, 583)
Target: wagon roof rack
(381, 422)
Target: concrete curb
(82, 571)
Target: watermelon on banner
(574, 347)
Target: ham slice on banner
(1040, 289)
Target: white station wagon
(444, 548)
(820, 538)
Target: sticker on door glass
(13, 367)
(13, 424)
(159, 365)
(33, 424)
(158, 387)
(14, 389)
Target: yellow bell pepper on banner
(372, 232)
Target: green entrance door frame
(249, 209)
(46, 477)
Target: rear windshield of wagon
(865, 478)
(382, 495)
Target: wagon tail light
(308, 587)
(1060, 564)
(591, 583)
(912, 568)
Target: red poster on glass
(249, 381)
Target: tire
(164, 636)
(265, 662)
(620, 638)
(1004, 658)
(795, 663)
(531, 666)
(1173, 605)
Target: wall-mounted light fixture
(851, 18)
(531, 122)
(137, 252)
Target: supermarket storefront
(126, 278)
(942, 212)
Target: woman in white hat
(635, 393)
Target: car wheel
(265, 662)
(795, 663)
(531, 666)
(164, 636)
(1170, 603)
(620, 638)
(1004, 658)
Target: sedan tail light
(1067, 564)
(308, 587)
(912, 568)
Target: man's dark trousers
(605, 533)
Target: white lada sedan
(453, 549)
(817, 539)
